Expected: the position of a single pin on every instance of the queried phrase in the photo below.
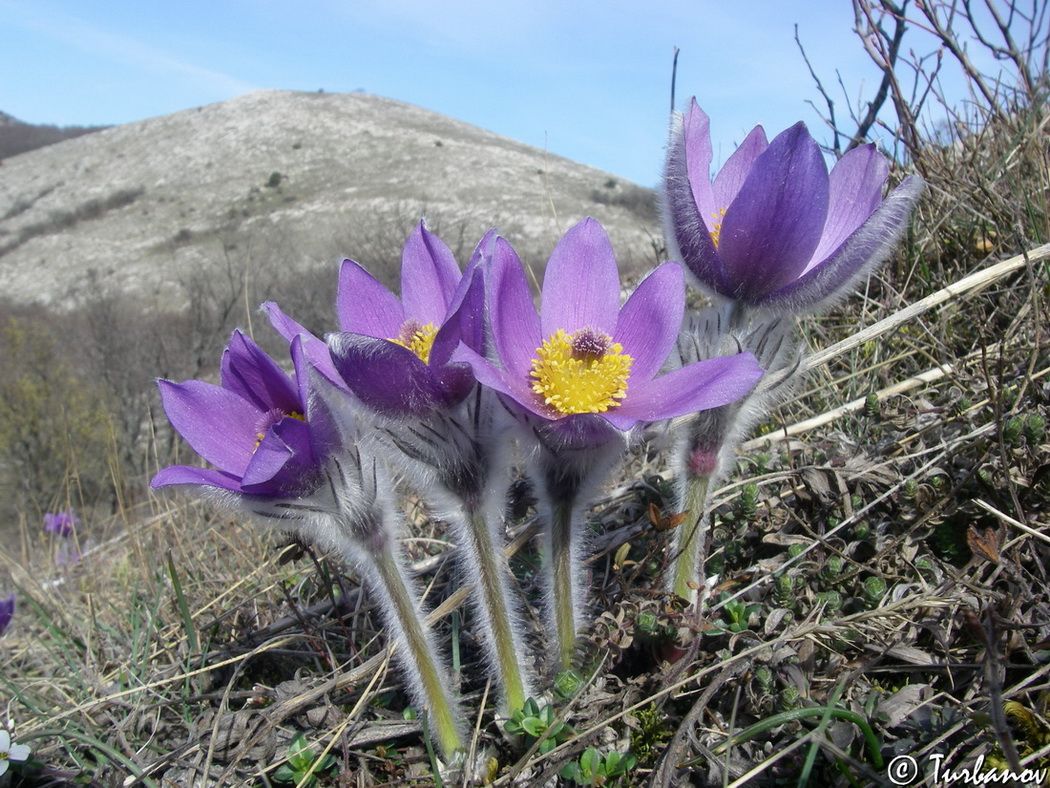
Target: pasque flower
(583, 355)
(252, 426)
(581, 374)
(773, 230)
(442, 430)
(60, 523)
(394, 353)
(292, 450)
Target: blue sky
(588, 79)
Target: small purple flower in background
(63, 526)
(773, 230)
(60, 523)
(7, 612)
(10, 752)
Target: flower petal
(466, 323)
(515, 324)
(251, 374)
(365, 306)
(650, 321)
(685, 200)
(282, 462)
(501, 381)
(429, 278)
(315, 351)
(188, 474)
(868, 246)
(219, 425)
(705, 384)
(697, 155)
(854, 191)
(734, 172)
(773, 226)
(581, 286)
(386, 377)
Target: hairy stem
(564, 591)
(687, 571)
(484, 562)
(419, 658)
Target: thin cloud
(75, 32)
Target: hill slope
(277, 177)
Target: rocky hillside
(286, 179)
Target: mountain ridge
(299, 177)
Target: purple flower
(7, 612)
(252, 427)
(60, 523)
(395, 354)
(585, 357)
(774, 230)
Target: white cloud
(97, 41)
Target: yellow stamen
(417, 337)
(583, 372)
(716, 231)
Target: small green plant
(738, 613)
(537, 723)
(874, 589)
(1034, 428)
(303, 765)
(567, 683)
(784, 590)
(650, 734)
(748, 504)
(593, 769)
(834, 566)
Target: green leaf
(590, 762)
(534, 726)
(284, 774)
(571, 771)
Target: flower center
(583, 372)
(270, 418)
(716, 228)
(417, 337)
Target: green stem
(687, 573)
(798, 714)
(490, 568)
(440, 713)
(90, 741)
(562, 581)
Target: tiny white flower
(10, 752)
